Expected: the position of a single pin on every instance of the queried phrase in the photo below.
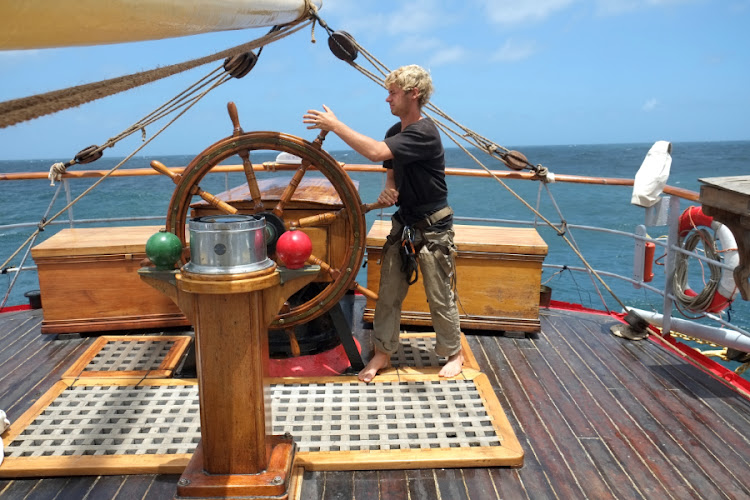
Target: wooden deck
(598, 417)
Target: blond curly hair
(412, 77)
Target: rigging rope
(45, 223)
(482, 143)
(183, 99)
(27, 108)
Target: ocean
(579, 204)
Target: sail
(29, 24)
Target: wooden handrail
(685, 194)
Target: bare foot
(379, 361)
(453, 366)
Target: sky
(519, 72)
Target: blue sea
(479, 198)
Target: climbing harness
(408, 250)
(409, 264)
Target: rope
(703, 300)
(27, 108)
(45, 223)
(483, 144)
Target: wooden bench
(499, 273)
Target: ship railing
(637, 281)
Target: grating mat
(406, 422)
(416, 354)
(130, 357)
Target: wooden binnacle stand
(238, 456)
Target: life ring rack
(720, 290)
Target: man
(413, 155)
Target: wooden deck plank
(450, 483)
(16, 338)
(422, 484)
(339, 485)
(610, 469)
(479, 484)
(162, 486)
(510, 483)
(105, 487)
(313, 485)
(77, 488)
(721, 449)
(134, 487)
(654, 409)
(532, 478)
(18, 489)
(366, 485)
(48, 488)
(394, 484)
(36, 375)
(626, 409)
(639, 459)
(514, 388)
(558, 433)
(729, 406)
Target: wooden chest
(499, 272)
(89, 282)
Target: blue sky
(519, 72)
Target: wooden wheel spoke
(364, 291)
(252, 182)
(323, 219)
(195, 190)
(333, 272)
(291, 188)
(367, 207)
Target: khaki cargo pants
(436, 266)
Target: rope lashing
(86, 155)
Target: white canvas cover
(653, 174)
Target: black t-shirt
(419, 169)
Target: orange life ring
(692, 218)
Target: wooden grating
(130, 357)
(404, 419)
(416, 355)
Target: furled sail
(28, 24)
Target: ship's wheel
(335, 278)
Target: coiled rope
(702, 301)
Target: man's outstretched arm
(368, 147)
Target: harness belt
(408, 251)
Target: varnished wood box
(499, 272)
(89, 282)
